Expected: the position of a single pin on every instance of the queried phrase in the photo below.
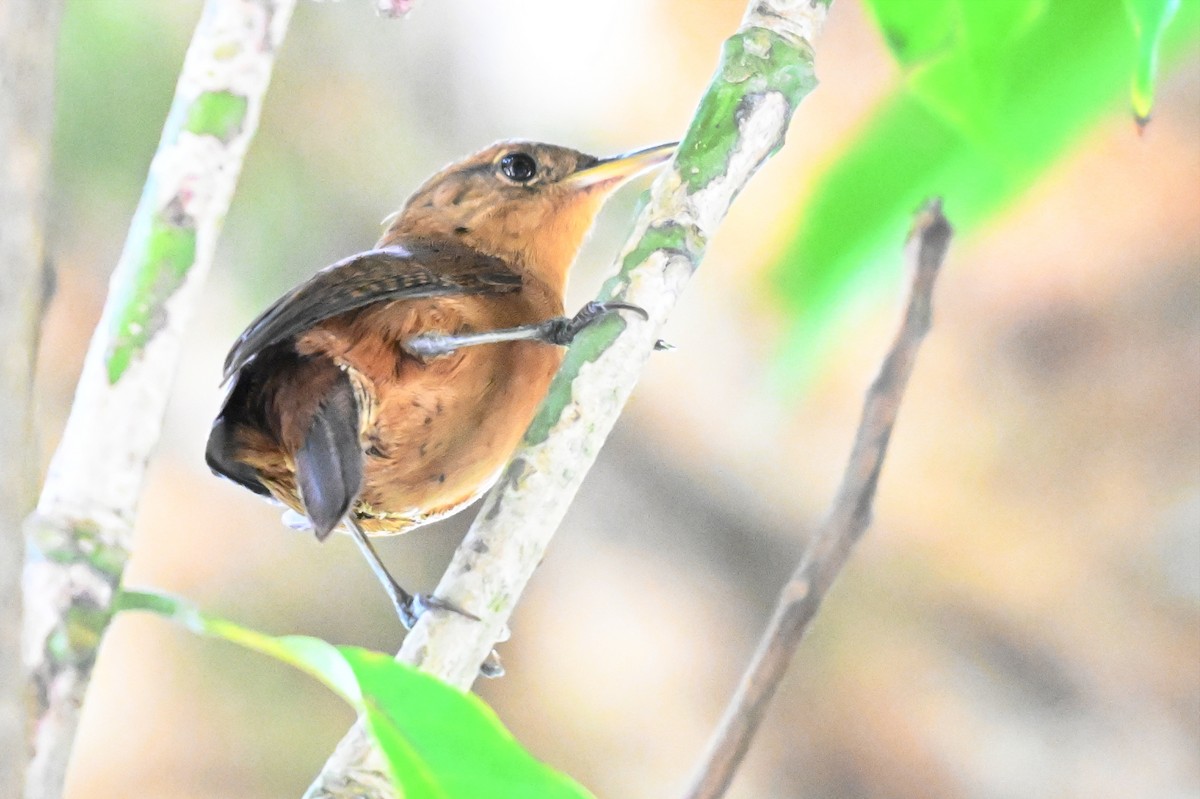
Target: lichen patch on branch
(755, 61)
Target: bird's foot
(410, 607)
(563, 330)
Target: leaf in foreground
(440, 743)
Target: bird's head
(528, 203)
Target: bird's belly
(440, 432)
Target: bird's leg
(409, 607)
(560, 330)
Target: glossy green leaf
(441, 743)
(913, 44)
(462, 743)
(992, 94)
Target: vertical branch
(28, 41)
(79, 537)
(766, 69)
(848, 519)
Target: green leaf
(993, 94)
(912, 44)
(458, 738)
(1149, 19)
(440, 743)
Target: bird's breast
(435, 434)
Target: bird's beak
(611, 172)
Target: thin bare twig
(848, 519)
(766, 69)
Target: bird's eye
(518, 167)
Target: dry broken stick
(766, 69)
(79, 538)
(828, 550)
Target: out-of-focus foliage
(1150, 19)
(992, 94)
(440, 743)
(107, 119)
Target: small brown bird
(341, 407)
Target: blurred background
(1023, 619)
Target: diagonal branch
(79, 537)
(766, 69)
(848, 519)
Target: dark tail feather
(221, 454)
(329, 465)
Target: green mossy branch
(166, 250)
(585, 350)
(161, 246)
(670, 237)
(219, 114)
(753, 62)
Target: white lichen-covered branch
(765, 70)
(78, 539)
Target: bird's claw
(563, 331)
(417, 605)
(491, 666)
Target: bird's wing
(391, 273)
